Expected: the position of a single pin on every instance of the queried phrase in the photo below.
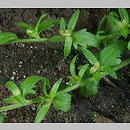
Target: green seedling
(104, 58)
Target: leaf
(72, 66)
(38, 23)
(124, 15)
(46, 24)
(44, 84)
(1, 118)
(123, 29)
(109, 71)
(56, 38)
(83, 70)
(62, 24)
(109, 56)
(23, 25)
(85, 39)
(42, 112)
(7, 37)
(67, 46)
(62, 102)
(55, 88)
(13, 88)
(128, 45)
(29, 83)
(73, 20)
(89, 55)
(90, 87)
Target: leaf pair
(34, 31)
(60, 101)
(116, 24)
(82, 37)
(19, 93)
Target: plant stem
(68, 89)
(14, 106)
(29, 40)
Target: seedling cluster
(108, 42)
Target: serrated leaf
(109, 71)
(109, 56)
(124, 15)
(7, 37)
(89, 55)
(28, 84)
(62, 24)
(46, 24)
(1, 118)
(10, 100)
(42, 112)
(62, 102)
(72, 66)
(67, 46)
(23, 26)
(85, 39)
(83, 70)
(54, 88)
(73, 20)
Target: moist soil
(17, 61)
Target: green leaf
(56, 38)
(46, 24)
(7, 37)
(38, 23)
(83, 70)
(123, 29)
(73, 20)
(89, 55)
(42, 112)
(62, 24)
(44, 84)
(62, 102)
(28, 84)
(128, 45)
(54, 89)
(67, 46)
(23, 26)
(90, 87)
(1, 118)
(124, 15)
(85, 39)
(109, 71)
(13, 88)
(109, 56)
(72, 66)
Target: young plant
(81, 37)
(105, 60)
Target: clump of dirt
(21, 60)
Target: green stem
(68, 89)
(29, 40)
(14, 106)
